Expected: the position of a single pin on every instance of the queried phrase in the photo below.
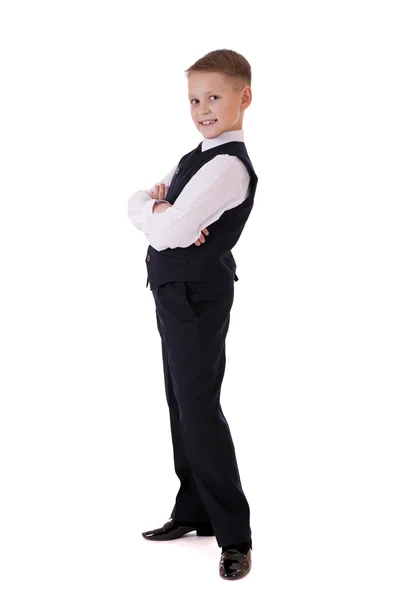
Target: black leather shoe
(234, 564)
(171, 531)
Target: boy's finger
(161, 191)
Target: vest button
(148, 257)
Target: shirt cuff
(159, 202)
(148, 207)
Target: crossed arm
(219, 185)
(159, 193)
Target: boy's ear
(246, 97)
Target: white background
(94, 107)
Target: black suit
(193, 300)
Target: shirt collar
(227, 136)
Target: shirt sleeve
(219, 185)
(140, 204)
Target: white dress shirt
(222, 183)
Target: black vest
(213, 260)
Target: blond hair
(227, 62)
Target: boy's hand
(159, 192)
(201, 239)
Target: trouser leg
(194, 321)
(188, 507)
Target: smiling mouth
(208, 122)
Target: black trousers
(193, 320)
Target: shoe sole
(175, 535)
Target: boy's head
(219, 88)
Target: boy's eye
(212, 96)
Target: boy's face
(212, 97)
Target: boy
(209, 193)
